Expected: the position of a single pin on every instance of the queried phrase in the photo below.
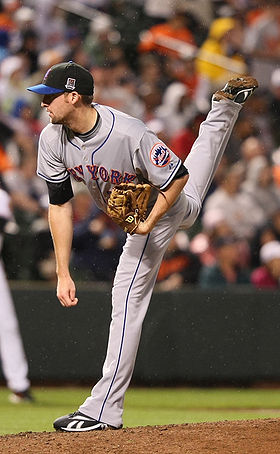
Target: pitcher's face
(58, 107)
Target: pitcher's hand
(66, 291)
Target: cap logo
(70, 84)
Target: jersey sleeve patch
(160, 155)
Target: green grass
(152, 406)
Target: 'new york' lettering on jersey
(96, 172)
(113, 155)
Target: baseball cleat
(237, 90)
(78, 422)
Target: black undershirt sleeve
(181, 172)
(60, 193)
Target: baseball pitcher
(143, 186)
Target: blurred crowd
(160, 61)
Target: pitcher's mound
(261, 436)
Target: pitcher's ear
(73, 97)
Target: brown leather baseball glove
(127, 205)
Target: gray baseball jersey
(122, 149)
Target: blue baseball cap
(65, 77)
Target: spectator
(263, 235)
(251, 148)
(117, 86)
(270, 231)
(184, 70)
(16, 140)
(73, 41)
(258, 113)
(25, 121)
(227, 270)
(4, 44)
(244, 129)
(7, 10)
(176, 109)
(26, 190)
(42, 266)
(12, 73)
(97, 242)
(182, 141)
(151, 73)
(267, 276)
(101, 38)
(5, 161)
(159, 10)
(179, 266)
(215, 226)
(274, 222)
(262, 40)
(29, 50)
(274, 107)
(151, 98)
(275, 157)
(52, 35)
(235, 203)
(220, 56)
(25, 40)
(167, 37)
(259, 185)
(129, 20)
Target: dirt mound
(227, 437)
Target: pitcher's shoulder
(51, 132)
(124, 122)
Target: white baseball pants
(13, 360)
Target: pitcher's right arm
(61, 226)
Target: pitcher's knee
(192, 215)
